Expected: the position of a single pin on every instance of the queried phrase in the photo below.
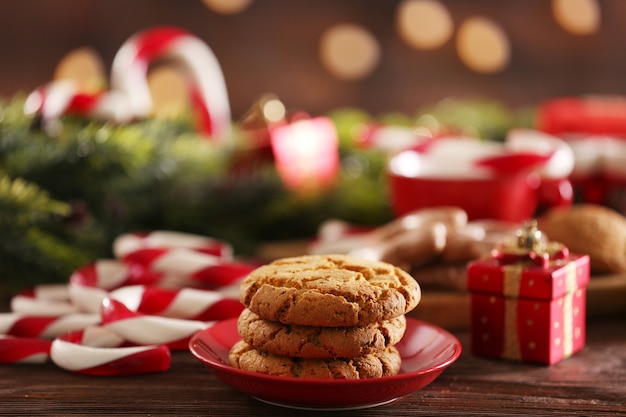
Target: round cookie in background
(329, 291)
(595, 230)
(319, 342)
(385, 363)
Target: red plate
(426, 351)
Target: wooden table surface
(591, 383)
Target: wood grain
(592, 382)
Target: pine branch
(22, 203)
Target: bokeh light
(274, 110)
(227, 6)
(423, 24)
(349, 51)
(83, 66)
(581, 17)
(170, 96)
(482, 45)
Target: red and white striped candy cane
(130, 321)
(24, 350)
(195, 267)
(207, 86)
(46, 327)
(97, 351)
(128, 243)
(143, 329)
(90, 284)
(64, 97)
(109, 274)
(51, 292)
(130, 98)
(34, 304)
(184, 303)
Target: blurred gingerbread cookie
(595, 230)
(432, 244)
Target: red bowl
(426, 350)
(512, 197)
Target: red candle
(306, 153)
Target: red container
(511, 191)
(513, 198)
(528, 308)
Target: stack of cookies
(324, 316)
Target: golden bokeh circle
(482, 45)
(423, 24)
(349, 51)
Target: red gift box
(528, 305)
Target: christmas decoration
(24, 350)
(130, 98)
(67, 192)
(64, 197)
(103, 323)
(72, 181)
(528, 300)
(143, 329)
(306, 153)
(74, 352)
(46, 326)
(181, 303)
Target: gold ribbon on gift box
(511, 287)
(571, 285)
(510, 290)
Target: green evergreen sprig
(70, 187)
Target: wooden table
(591, 383)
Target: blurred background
(378, 55)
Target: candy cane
(106, 274)
(176, 268)
(90, 284)
(130, 97)
(51, 292)
(185, 303)
(47, 327)
(74, 352)
(64, 97)
(206, 78)
(196, 267)
(24, 350)
(148, 330)
(111, 304)
(29, 302)
(128, 243)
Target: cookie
(595, 230)
(329, 291)
(385, 363)
(319, 342)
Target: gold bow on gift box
(530, 247)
